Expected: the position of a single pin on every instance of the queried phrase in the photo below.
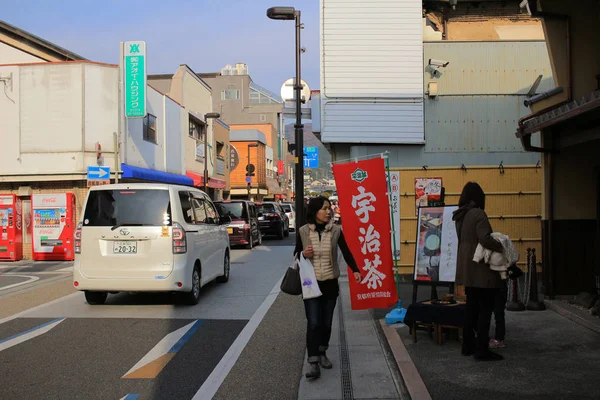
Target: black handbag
(291, 281)
(514, 272)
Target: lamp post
(207, 116)
(291, 14)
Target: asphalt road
(242, 336)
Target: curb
(557, 307)
(412, 379)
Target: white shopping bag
(310, 286)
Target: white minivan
(149, 237)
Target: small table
(436, 316)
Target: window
(211, 213)
(199, 210)
(197, 129)
(267, 209)
(230, 94)
(186, 207)
(234, 210)
(143, 207)
(150, 128)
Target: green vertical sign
(135, 79)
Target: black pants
(319, 317)
(480, 305)
(499, 307)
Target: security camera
(438, 63)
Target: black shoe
(314, 371)
(325, 362)
(489, 356)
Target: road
(239, 339)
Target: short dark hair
(314, 205)
(472, 192)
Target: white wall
(10, 55)
(371, 71)
(55, 114)
(174, 136)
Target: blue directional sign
(98, 173)
(311, 157)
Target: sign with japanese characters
(428, 191)
(395, 204)
(362, 192)
(437, 245)
(135, 79)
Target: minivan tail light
(179, 239)
(77, 239)
(246, 227)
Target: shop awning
(198, 180)
(273, 186)
(146, 174)
(217, 183)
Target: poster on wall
(427, 190)
(437, 245)
(395, 204)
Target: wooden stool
(431, 329)
(440, 333)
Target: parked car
(243, 229)
(272, 219)
(149, 237)
(290, 211)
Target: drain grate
(344, 359)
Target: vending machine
(11, 236)
(53, 218)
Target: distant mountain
(310, 140)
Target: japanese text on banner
(362, 190)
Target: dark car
(244, 228)
(273, 220)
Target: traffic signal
(250, 168)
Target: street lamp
(289, 14)
(207, 116)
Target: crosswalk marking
(29, 334)
(152, 363)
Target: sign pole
(397, 314)
(122, 119)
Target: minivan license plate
(128, 247)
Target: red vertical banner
(362, 194)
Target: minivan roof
(144, 185)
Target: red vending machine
(53, 218)
(11, 236)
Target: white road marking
(163, 347)
(31, 279)
(30, 334)
(24, 313)
(67, 269)
(218, 375)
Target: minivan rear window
(235, 210)
(286, 208)
(133, 207)
(267, 208)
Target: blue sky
(205, 34)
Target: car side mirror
(225, 220)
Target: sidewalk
(360, 359)
(547, 357)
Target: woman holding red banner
(482, 284)
(318, 241)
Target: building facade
(240, 101)
(563, 128)
(443, 108)
(251, 148)
(60, 118)
(195, 96)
